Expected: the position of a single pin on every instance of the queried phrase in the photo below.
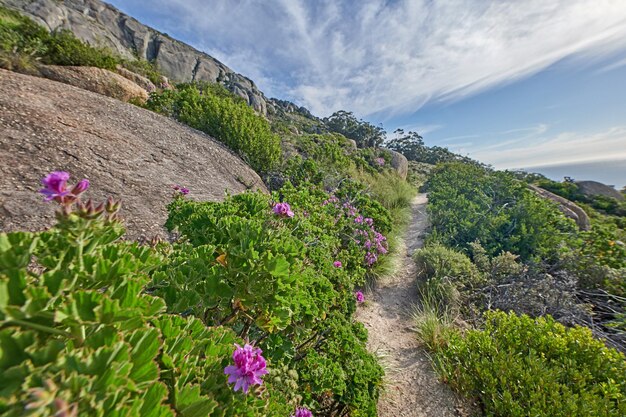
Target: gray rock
(593, 188)
(125, 151)
(140, 80)
(101, 24)
(399, 163)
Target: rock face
(593, 188)
(399, 163)
(101, 24)
(567, 207)
(98, 80)
(125, 151)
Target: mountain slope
(101, 24)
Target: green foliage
(519, 366)
(21, 37)
(79, 333)
(436, 261)
(272, 279)
(469, 203)
(63, 48)
(363, 133)
(443, 272)
(213, 110)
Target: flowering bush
(81, 334)
(272, 282)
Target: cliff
(101, 24)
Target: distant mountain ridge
(101, 24)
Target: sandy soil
(412, 388)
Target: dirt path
(412, 387)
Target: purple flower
(81, 187)
(380, 161)
(55, 185)
(180, 189)
(370, 258)
(337, 264)
(283, 210)
(369, 221)
(358, 219)
(359, 297)
(302, 412)
(248, 369)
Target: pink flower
(302, 412)
(283, 210)
(55, 188)
(180, 189)
(55, 185)
(359, 297)
(248, 369)
(380, 161)
(337, 264)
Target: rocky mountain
(101, 24)
(125, 151)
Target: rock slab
(125, 151)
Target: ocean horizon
(607, 172)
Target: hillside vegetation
(496, 245)
(248, 309)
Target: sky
(512, 83)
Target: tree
(363, 133)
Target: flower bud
(80, 187)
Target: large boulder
(125, 151)
(101, 24)
(594, 188)
(399, 163)
(140, 80)
(98, 80)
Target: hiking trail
(412, 388)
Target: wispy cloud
(542, 148)
(385, 58)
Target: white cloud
(391, 57)
(539, 149)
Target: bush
(79, 335)
(215, 111)
(436, 261)
(23, 38)
(271, 278)
(519, 366)
(469, 203)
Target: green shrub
(272, 279)
(78, 333)
(436, 261)
(519, 366)
(63, 48)
(215, 111)
(469, 203)
(22, 38)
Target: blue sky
(513, 83)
